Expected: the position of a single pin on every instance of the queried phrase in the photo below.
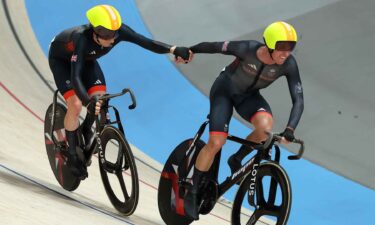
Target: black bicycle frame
(251, 166)
(100, 121)
(104, 120)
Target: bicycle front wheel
(118, 171)
(267, 200)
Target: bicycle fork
(253, 174)
(253, 180)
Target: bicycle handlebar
(277, 137)
(124, 91)
(300, 151)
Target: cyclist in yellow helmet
(256, 66)
(78, 76)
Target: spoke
(110, 167)
(125, 164)
(272, 210)
(122, 184)
(119, 156)
(272, 192)
(122, 160)
(254, 218)
(260, 193)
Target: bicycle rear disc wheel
(171, 205)
(272, 196)
(118, 171)
(56, 155)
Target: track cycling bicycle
(116, 160)
(259, 174)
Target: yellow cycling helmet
(280, 36)
(105, 20)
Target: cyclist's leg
(257, 111)
(262, 122)
(71, 122)
(221, 109)
(61, 74)
(74, 107)
(261, 118)
(93, 79)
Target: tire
(169, 202)
(123, 166)
(57, 156)
(280, 191)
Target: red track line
(41, 120)
(20, 102)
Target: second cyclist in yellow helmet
(73, 61)
(255, 66)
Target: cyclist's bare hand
(94, 105)
(98, 106)
(179, 60)
(191, 55)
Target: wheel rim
(118, 171)
(272, 199)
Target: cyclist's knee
(215, 143)
(263, 128)
(262, 124)
(74, 105)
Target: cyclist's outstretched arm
(235, 48)
(128, 34)
(296, 92)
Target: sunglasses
(285, 45)
(104, 33)
(107, 36)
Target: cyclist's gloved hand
(288, 134)
(182, 52)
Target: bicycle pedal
(209, 197)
